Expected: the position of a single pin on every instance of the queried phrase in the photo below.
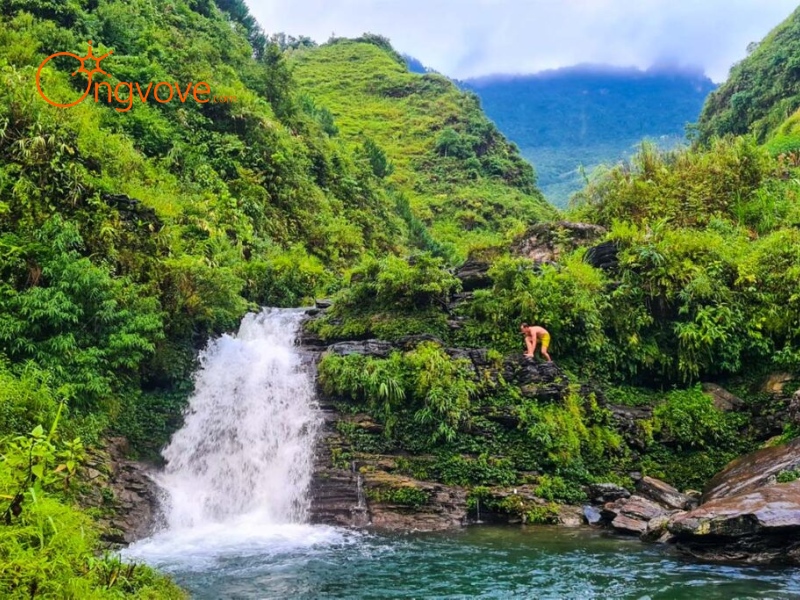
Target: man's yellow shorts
(545, 341)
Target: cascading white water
(246, 448)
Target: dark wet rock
(474, 275)
(753, 471)
(793, 408)
(755, 527)
(631, 515)
(505, 415)
(628, 421)
(457, 299)
(310, 340)
(134, 215)
(376, 348)
(602, 493)
(663, 493)
(323, 303)
(545, 242)
(592, 515)
(334, 491)
(540, 380)
(722, 398)
(603, 256)
(409, 342)
(445, 508)
(123, 493)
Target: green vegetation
(405, 495)
(128, 238)
(761, 91)
(451, 164)
(49, 547)
(702, 288)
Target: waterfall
(246, 448)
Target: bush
(689, 419)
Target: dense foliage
(762, 90)
(127, 238)
(703, 288)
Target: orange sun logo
(81, 69)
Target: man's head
(523, 326)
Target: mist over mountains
(587, 115)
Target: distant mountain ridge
(589, 114)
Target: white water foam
(237, 474)
(247, 443)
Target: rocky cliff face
(745, 514)
(368, 489)
(122, 492)
(364, 492)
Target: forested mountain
(762, 90)
(132, 228)
(588, 115)
(674, 273)
(462, 179)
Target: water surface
(251, 560)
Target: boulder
(752, 471)
(755, 527)
(603, 256)
(663, 493)
(544, 242)
(592, 515)
(628, 421)
(474, 275)
(602, 493)
(537, 380)
(631, 515)
(656, 530)
(722, 398)
(570, 516)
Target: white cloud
(464, 38)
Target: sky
(468, 38)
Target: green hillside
(762, 90)
(457, 171)
(691, 279)
(129, 237)
(132, 230)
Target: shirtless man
(533, 333)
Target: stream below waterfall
(235, 501)
(245, 562)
